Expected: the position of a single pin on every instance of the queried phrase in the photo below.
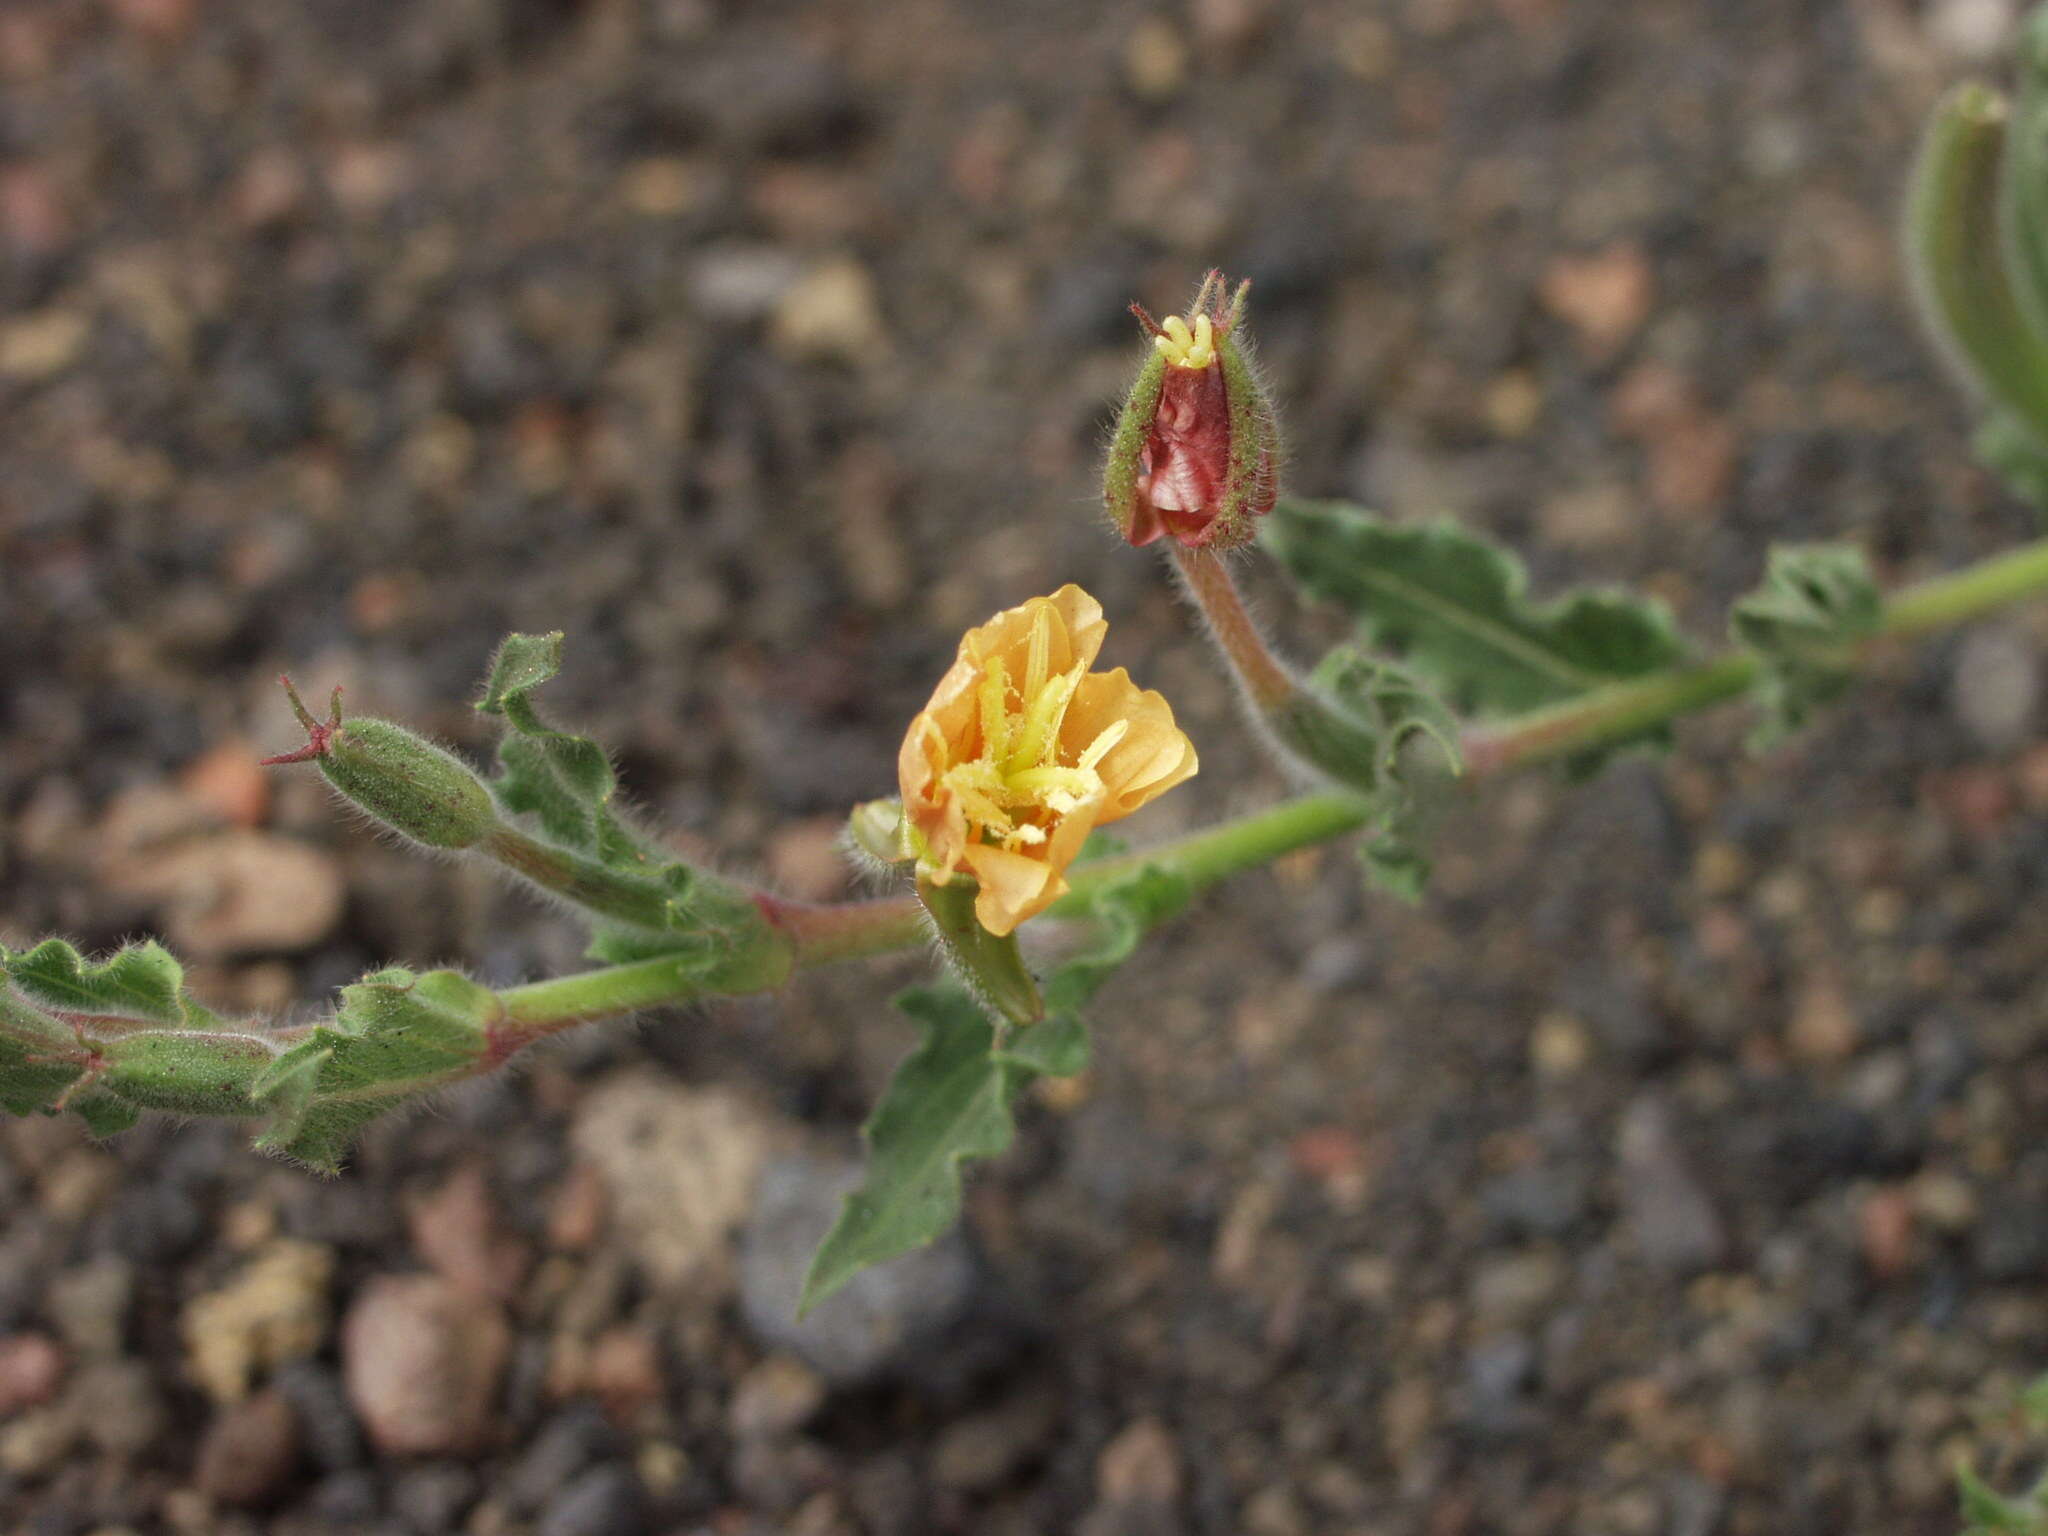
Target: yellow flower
(1022, 752)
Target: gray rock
(1537, 1201)
(1996, 689)
(327, 1426)
(880, 1318)
(1664, 1208)
(605, 1501)
(567, 1444)
(434, 1498)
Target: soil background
(1675, 1167)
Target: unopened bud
(1196, 451)
(401, 779)
(875, 828)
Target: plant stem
(1267, 683)
(826, 933)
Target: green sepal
(1456, 608)
(1127, 443)
(991, 966)
(187, 1072)
(1254, 441)
(1817, 604)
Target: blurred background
(1674, 1168)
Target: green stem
(821, 934)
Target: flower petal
(1153, 755)
(1014, 886)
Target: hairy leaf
(1456, 608)
(141, 983)
(397, 1034)
(643, 902)
(950, 1099)
(109, 1038)
(1816, 604)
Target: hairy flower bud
(402, 780)
(1196, 451)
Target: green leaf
(397, 1035)
(949, 1101)
(1456, 608)
(1122, 913)
(2034, 1403)
(642, 901)
(1379, 731)
(1818, 602)
(139, 982)
(1958, 265)
(2011, 452)
(1988, 1512)
(111, 1037)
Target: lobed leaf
(1456, 608)
(566, 784)
(1817, 603)
(140, 983)
(950, 1100)
(397, 1034)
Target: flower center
(1185, 348)
(1017, 785)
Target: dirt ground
(1673, 1170)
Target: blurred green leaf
(1817, 603)
(1455, 607)
(1958, 262)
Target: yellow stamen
(1184, 348)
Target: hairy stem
(1267, 683)
(821, 934)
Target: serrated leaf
(1816, 604)
(1392, 740)
(949, 1101)
(139, 982)
(565, 783)
(397, 1034)
(1456, 608)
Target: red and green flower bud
(1196, 452)
(400, 779)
